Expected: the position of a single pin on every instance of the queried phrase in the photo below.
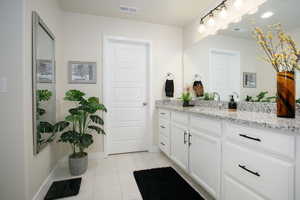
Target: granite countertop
(253, 119)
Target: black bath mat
(164, 184)
(64, 188)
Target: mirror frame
(36, 22)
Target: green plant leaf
(74, 95)
(44, 95)
(96, 119)
(41, 111)
(86, 140)
(72, 137)
(97, 129)
(60, 126)
(45, 127)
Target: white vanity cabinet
(231, 161)
(179, 138)
(205, 153)
(164, 131)
(196, 148)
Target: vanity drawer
(233, 190)
(164, 114)
(270, 177)
(207, 125)
(164, 144)
(180, 118)
(276, 143)
(164, 127)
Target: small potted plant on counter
(186, 97)
(84, 121)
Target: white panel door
(126, 65)
(224, 73)
(179, 145)
(205, 161)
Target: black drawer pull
(162, 143)
(162, 127)
(251, 138)
(184, 137)
(248, 170)
(162, 113)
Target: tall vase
(286, 101)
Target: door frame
(148, 118)
(224, 51)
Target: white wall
(12, 146)
(40, 165)
(196, 60)
(83, 42)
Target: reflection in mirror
(230, 62)
(43, 84)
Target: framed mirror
(232, 62)
(43, 83)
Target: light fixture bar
(211, 12)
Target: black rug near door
(164, 184)
(62, 189)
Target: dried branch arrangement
(280, 48)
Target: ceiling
(286, 12)
(168, 12)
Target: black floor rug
(164, 184)
(62, 189)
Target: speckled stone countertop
(252, 119)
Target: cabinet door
(204, 162)
(233, 190)
(179, 146)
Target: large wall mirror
(230, 62)
(43, 83)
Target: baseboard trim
(154, 149)
(48, 181)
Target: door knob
(145, 103)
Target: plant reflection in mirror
(45, 127)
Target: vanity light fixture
(211, 21)
(226, 12)
(267, 15)
(201, 27)
(238, 4)
(223, 14)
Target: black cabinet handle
(251, 138)
(248, 170)
(184, 137)
(190, 139)
(162, 143)
(162, 127)
(162, 113)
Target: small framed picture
(82, 72)
(249, 80)
(46, 71)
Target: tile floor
(112, 178)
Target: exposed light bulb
(211, 21)
(238, 4)
(201, 28)
(267, 15)
(223, 14)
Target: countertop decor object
(186, 97)
(282, 53)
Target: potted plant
(186, 97)
(84, 120)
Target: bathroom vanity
(233, 155)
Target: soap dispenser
(232, 105)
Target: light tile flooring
(112, 178)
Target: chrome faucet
(237, 96)
(218, 99)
